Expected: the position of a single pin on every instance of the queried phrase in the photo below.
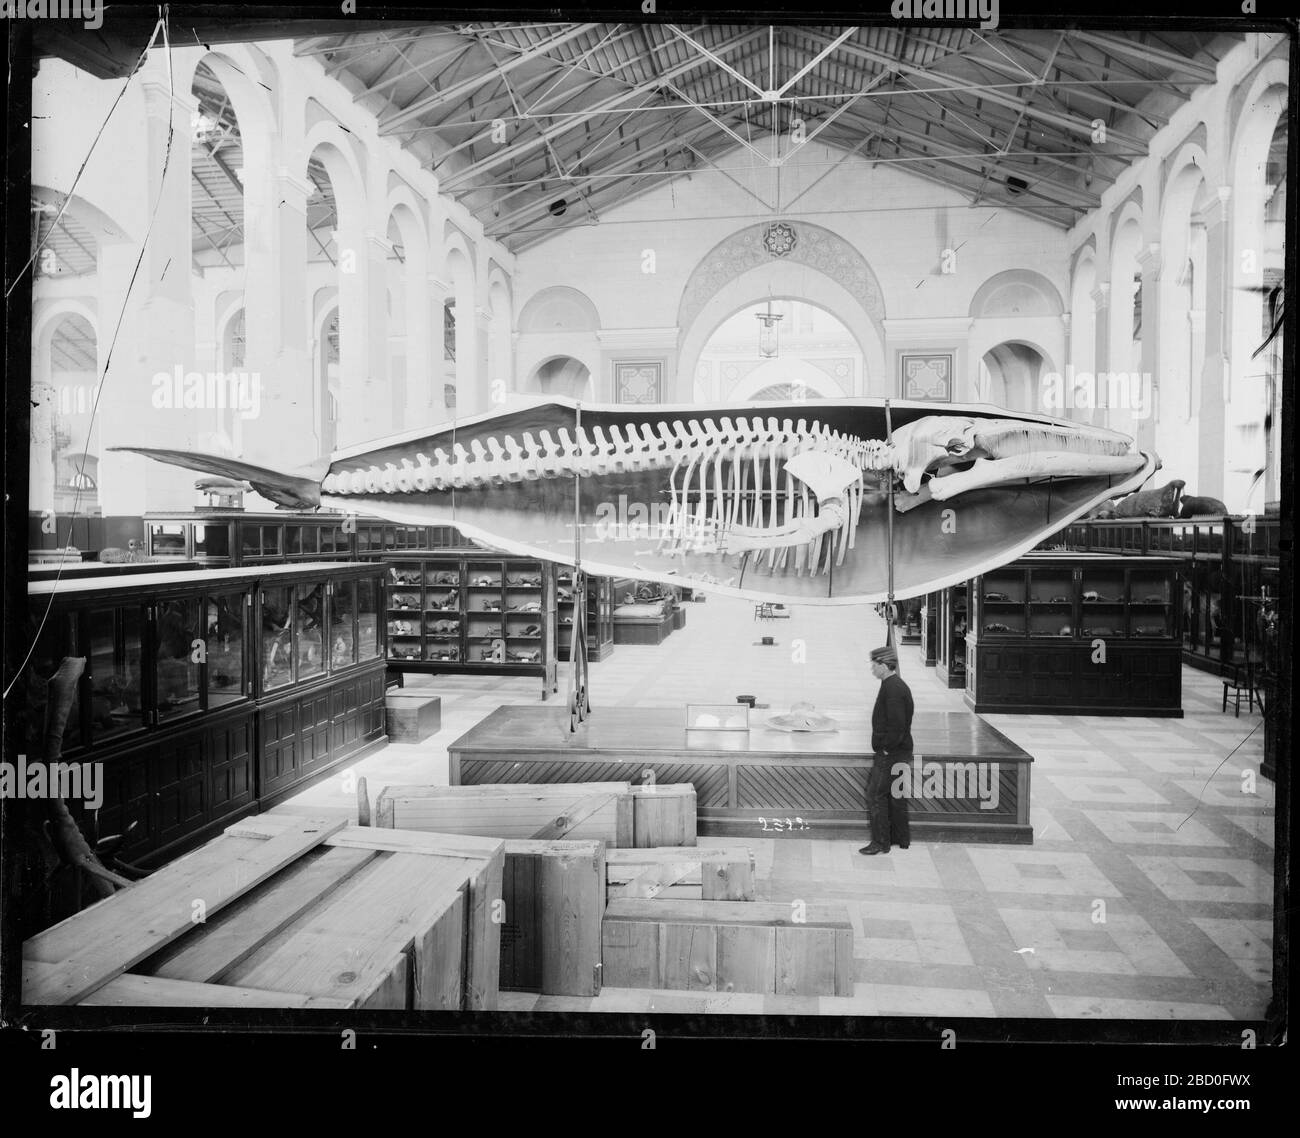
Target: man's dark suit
(891, 739)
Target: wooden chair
(1241, 682)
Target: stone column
(1215, 386)
(425, 392)
(1146, 391)
(1101, 353)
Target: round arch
(1011, 373)
(1007, 292)
(559, 307)
(559, 374)
(808, 285)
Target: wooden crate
(297, 912)
(600, 811)
(554, 895)
(728, 946)
(695, 873)
(664, 815)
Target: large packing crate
(664, 815)
(601, 811)
(286, 911)
(695, 873)
(728, 946)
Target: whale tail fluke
(296, 491)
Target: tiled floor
(1147, 893)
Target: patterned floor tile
(1018, 870)
(1152, 827)
(1208, 878)
(1101, 789)
(1248, 943)
(1102, 1007)
(1071, 942)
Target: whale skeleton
(786, 490)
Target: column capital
(292, 181)
(1149, 258)
(158, 97)
(437, 283)
(1101, 294)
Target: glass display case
(452, 613)
(953, 622)
(209, 693)
(599, 594)
(1036, 625)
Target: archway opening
(66, 437)
(216, 176)
(1011, 376)
(784, 343)
(562, 375)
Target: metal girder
(614, 168)
(509, 152)
(413, 69)
(722, 126)
(1084, 87)
(1147, 52)
(730, 177)
(467, 86)
(1089, 200)
(807, 67)
(716, 59)
(979, 91)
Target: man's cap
(886, 655)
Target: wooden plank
(688, 957)
(630, 952)
(574, 816)
(439, 961)
(664, 815)
(388, 988)
(132, 991)
(105, 940)
(727, 912)
(654, 879)
(600, 811)
(482, 973)
(747, 958)
(805, 961)
(374, 838)
(346, 948)
(713, 873)
(571, 902)
(521, 965)
(844, 962)
(206, 953)
(624, 822)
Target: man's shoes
(873, 849)
(904, 845)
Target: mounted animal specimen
(769, 501)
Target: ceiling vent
(1016, 186)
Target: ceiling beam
(508, 153)
(1147, 52)
(460, 90)
(722, 126)
(944, 86)
(717, 59)
(829, 49)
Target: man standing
(891, 740)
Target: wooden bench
(541, 811)
(728, 946)
(695, 873)
(412, 716)
(285, 900)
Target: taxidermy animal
(1162, 503)
(773, 501)
(1193, 507)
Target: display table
(765, 783)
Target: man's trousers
(887, 812)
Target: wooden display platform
(767, 783)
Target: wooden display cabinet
(209, 694)
(930, 630)
(952, 623)
(599, 593)
(226, 537)
(462, 614)
(1076, 634)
